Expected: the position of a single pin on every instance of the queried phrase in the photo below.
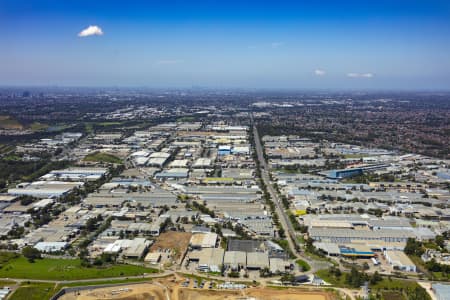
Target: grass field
(303, 264)
(101, 282)
(45, 290)
(65, 269)
(103, 157)
(389, 288)
(34, 291)
(6, 283)
(392, 295)
(37, 126)
(7, 122)
(325, 275)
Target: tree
(356, 278)
(366, 266)
(413, 247)
(440, 241)
(418, 293)
(31, 253)
(91, 224)
(376, 277)
(287, 278)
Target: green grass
(103, 157)
(393, 284)
(390, 288)
(34, 291)
(37, 126)
(6, 283)
(108, 123)
(8, 122)
(65, 269)
(5, 257)
(303, 264)
(12, 157)
(186, 119)
(440, 276)
(392, 295)
(101, 282)
(325, 275)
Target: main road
(285, 222)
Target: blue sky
(256, 44)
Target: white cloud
(91, 30)
(277, 44)
(319, 72)
(169, 62)
(360, 75)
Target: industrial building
(44, 189)
(203, 240)
(76, 174)
(399, 261)
(441, 291)
(257, 260)
(209, 259)
(235, 260)
(348, 235)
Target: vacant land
(169, 288)
(103, 157)
(34, 291)
(7, 122)
(286, 294)
(129, 292)
(189, 294)
(64, 269)
(37, 126)
(177, 241)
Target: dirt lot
(129, 292)
(286, 294)
(253, 294)
(179, 241)
(169, 288)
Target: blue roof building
(344, 173)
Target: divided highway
(284, 219)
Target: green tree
(31, 253)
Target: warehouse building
(399, 261)
(201, 163)
(257, 260)
(76, 174)
(441, 290)
(175, 173)
(152, 257)
(279, 265)
(235, 260)
(203, 240)
(44, 189)
(48, 247)
(209, 259)
(348, 235)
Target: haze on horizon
(251, 44)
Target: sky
(371, 44)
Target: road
(285, 222)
